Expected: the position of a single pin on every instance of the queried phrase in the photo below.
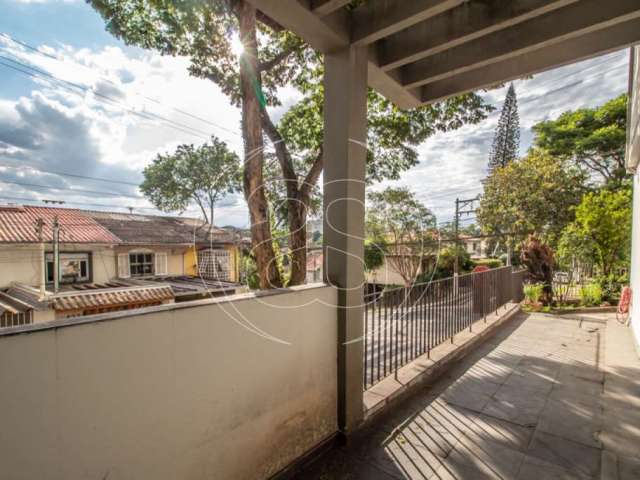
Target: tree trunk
(298, 242)
(253, 183)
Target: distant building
(476, 247)
(106, 262)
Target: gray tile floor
(528, 404)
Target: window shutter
(124, 271)
(161, 263)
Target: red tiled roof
(18, 225)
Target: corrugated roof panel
(97, 298)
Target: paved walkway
(537, 401)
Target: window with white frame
(214, 264)
(73, 267)
(142, 263)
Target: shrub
(489, 262)
(611, 286)
(533, 292)
(537, 257)
(591, 295)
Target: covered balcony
(449, 382)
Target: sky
(80, 104)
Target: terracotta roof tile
(18, 225)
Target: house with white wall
(106, 262)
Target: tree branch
(282, 153)
(269, 64)
(312, 177)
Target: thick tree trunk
(254, 152)
(298, 242)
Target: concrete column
(345, 131)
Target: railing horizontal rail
(401, 324)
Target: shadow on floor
(527, 404)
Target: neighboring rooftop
(18, 225)
(153, 229)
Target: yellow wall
(175, 256)
(190, 262)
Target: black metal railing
(402, 324)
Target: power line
(73, 87)
(80, 191)
(151, 99)
(66, 174)
(87, 204)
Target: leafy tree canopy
(202, 174)
(406, 227)
(533, 194)
(594, 138)
(205, 31)
(601, 230)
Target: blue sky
(51, 127)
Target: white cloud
(108, 117)
(453, 164)
(138, 105)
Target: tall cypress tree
(507, 138)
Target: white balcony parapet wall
(632, 161)
(177, 391)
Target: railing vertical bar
(385, 333)
(396, 321)
(379, 346)
(429, 305)
(366, 340)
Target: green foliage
(506, 141)
(393, 135)
(611, 285)
(488, 262)
(249, 272)
(591, 295)
(203, 31)
(533, 194)
(374, 252)
(202, 174)
(442, 266)
(601, 230)
(594, 138)
(533, 292)
(397, 217)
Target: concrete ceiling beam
(569, 22)
(325, 7)
(569, 51)
(377, 19)
(329, 34)
(469, 21)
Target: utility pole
(461, 205)
(456, 225)
(43, 260)
(56, 254)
